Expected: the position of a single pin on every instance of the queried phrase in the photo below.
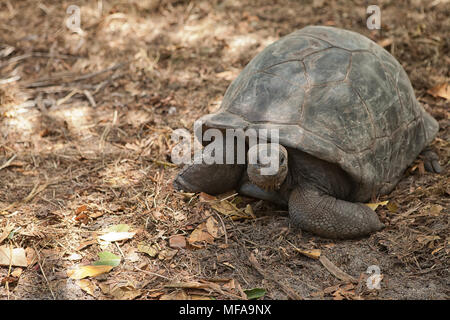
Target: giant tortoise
(349, 125)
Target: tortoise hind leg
(212, 179)
(431, 161)
(324, 215)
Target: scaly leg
(319, 213)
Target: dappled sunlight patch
(202, 30)
(121, 174)
(77, 117)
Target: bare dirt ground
(85, 144)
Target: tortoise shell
(338, 96)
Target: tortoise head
(267, 165)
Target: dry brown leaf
(6, 231)
(87, 286)
(80, 209)
(199, 297)
(10, 280)
(435, 210)
(441, 90)
(331, 289)
(83, 218)
(17, 272)
(167, 254)
(88, 271)
(335, 271)
(106, 289)
(227, 75)
(177, 242)
(200, 235)
(176, 295)
(385, 42)
(86, 244)
(204, 197)
(204, 285)
(188, 285)
(212, 226)
(32, 257)
(96, 214)
(125, 292)
(13, 256)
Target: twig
(291, 293)
(90, 98)
(335, 271)
(43, 273)
(9, 80)
(224, 227)
(152, 273)
(43, 82)
(36, 54)
(8, 163)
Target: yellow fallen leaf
(392, 207)
(313, 253)
(435, 210)
(87, 286)
(145, 248)
(375, 205)
(229, 209)
(427, 239)
(249, 210)
(88, 271)
(436, 250)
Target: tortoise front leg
(209, 178)
(319, 213)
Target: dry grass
(86, 123)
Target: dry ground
(85, 144)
